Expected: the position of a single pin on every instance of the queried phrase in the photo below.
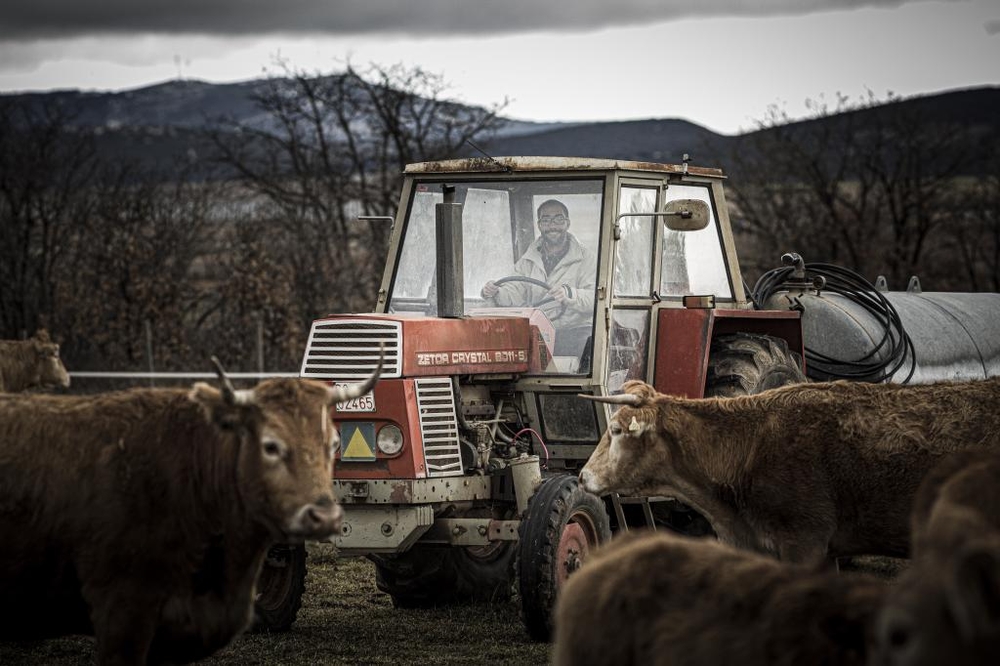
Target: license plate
(365, 403)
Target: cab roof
(532, 163)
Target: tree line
(262, 235)
(257, 239)
(873, 185)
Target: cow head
(287, 442)
(50, 368)
(945, 609)
(638, 450)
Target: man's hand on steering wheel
(562, 294)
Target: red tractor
(458, 473)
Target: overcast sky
(719, 63)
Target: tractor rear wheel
(747, 363)
(562, 525)
(427, 576)
(279, 588)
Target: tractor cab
(587, 251)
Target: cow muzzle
(588, 481)
(317, 520)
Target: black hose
(845, 282)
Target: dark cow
(802, 472)
(660, 598)
(946, 608)
(26, 364)
(143, 517)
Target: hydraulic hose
(845, 282)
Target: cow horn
(229, 393)
(620, 399)
(337, 394)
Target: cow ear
(213, 403)
(974, 593)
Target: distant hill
(163, 122)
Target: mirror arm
(683, 214)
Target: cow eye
(273, 449)
(615, 429)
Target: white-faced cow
(143, 517)
(946, 608)
(657, 598)
(802, 472)
(31, 363)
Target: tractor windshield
(529, 248)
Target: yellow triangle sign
(358, 447)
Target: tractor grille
(347, 349)
(439, 426)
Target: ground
(345, 620)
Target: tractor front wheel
(279, 588)
(562, 525)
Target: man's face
(553, 223)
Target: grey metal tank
(955, 336)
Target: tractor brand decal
(472, 357)
(357, 441)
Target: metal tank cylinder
(955, 336)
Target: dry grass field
(345, 620)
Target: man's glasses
(553, 221)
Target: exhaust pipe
(448, 233)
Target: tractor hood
(346, 347)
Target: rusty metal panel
(532, 163)
(413, 491)
(395, 403)
(682, 341)
(683, 338)
(478, 345)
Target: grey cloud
(993, 27)
(33, 19)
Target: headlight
(390, 440)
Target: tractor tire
(746, 364)
(428, 576)
(562, 524)
(279, 588)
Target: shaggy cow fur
(802, 472)
(144, 516)
(661, 599)
(946, 608)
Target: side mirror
(686, 215)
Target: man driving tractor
(556, 273)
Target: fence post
(260, 344)
(149, 350)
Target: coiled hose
(845, 282)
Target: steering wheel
(538, 283)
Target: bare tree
(332, 148)
(45, 167)
(134, 261)
(866, 184)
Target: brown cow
(143, 516)
(946, 608)
(660, 598)
(802, 472)
(29, 363)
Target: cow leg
(125, 621)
